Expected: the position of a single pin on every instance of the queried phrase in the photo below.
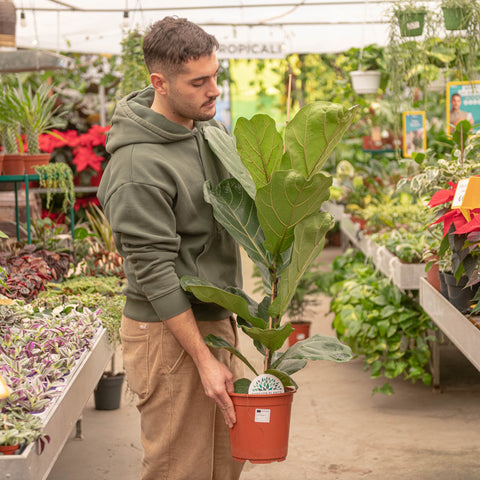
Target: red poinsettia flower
(473, 225)
(445, 195)
(84, 157)
(85, 202)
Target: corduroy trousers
(184, 435)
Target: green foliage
(133, 71)
(271, 207)
(100, 294)
(377, 321)
(57, 176)
(34, 111)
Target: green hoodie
(152, 195)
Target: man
(457, 115)
(152, 194)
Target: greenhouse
(239, 239)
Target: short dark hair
(456, 95)
(171, 42)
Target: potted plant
(457, 14)
(271, 206)
(19, 428)
(31, 113)
(409, 17)
(366, 77)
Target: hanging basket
(410, 23)
(365, 82)
(8, 21)
(455, 18)
(260, 434)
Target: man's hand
(217, 380)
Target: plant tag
(262, 415)
(460, 193)
(265, 384)
(467, 196)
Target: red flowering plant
(86, 155)
(461, 234)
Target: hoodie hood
(135, 122)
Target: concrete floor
(338, 429)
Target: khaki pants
(183, 433)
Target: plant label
(262, 415)
(467, 195)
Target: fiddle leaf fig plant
(271, 207)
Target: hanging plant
(56, 176)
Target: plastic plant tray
(60, 417)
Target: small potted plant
(457, 14)
(366, 77)
(271, 207)
(409, 16)
(31, 112)
(17, 429)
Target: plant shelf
(61, 415)
(405, 276)
(462, 331)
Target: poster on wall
(414, 133)
(463, 103)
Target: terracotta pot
(31, 161)
(433, 277)
(8, 449)
(301, 331)
(260, 434)
(14, 164)
(1, 162)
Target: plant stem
(268, 354)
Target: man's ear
(159, 82)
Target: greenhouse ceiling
(279, 26)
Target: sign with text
(251, 50)
(414, 133)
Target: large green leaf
(231, 298)
(314, 132)
(218, 342)
(309, 241)
(260, 147)
(286, 201)
(273, 338)
(292, 365)
(237, 213)
(223, 145)
(317, 347)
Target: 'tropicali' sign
(251, 50)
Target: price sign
(460, 193)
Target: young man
(152, 194)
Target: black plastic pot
(108, 392)
(459, 296)
(443, 284)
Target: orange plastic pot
(260, 434)
(301, 331)
(8, 449)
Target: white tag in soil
(265, 384)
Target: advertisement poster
(414, 133)
(463, 103)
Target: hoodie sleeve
(143, 224)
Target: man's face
(191, 93)
(456, 102)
